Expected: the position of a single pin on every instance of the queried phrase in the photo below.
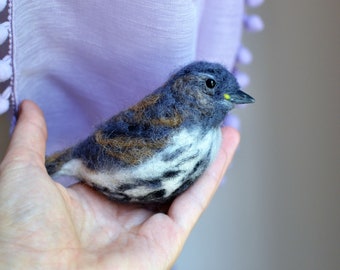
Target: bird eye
(210, 83)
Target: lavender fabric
(82, 61)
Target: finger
(188, 207)
(28, 142)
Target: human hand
(46, 226)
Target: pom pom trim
(251, 23)
(7, 97)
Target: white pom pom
(5, 69)
(4, 27)
(253, 23)
(244, 56)
(3, 3)
(4, 100)
(242, 78)
(254, 3)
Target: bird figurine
(156, 149)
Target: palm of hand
(77, 227)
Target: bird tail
(55, 162)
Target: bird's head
(208, 88)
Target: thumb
(28, 143)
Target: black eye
(210, 83)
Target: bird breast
(165, 175)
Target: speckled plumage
(156, 149)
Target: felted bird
(155, 150)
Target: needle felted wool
(156, 149)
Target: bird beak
(239, 98)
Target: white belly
(165, 171)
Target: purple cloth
(83, 61)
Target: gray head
(208, 89)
